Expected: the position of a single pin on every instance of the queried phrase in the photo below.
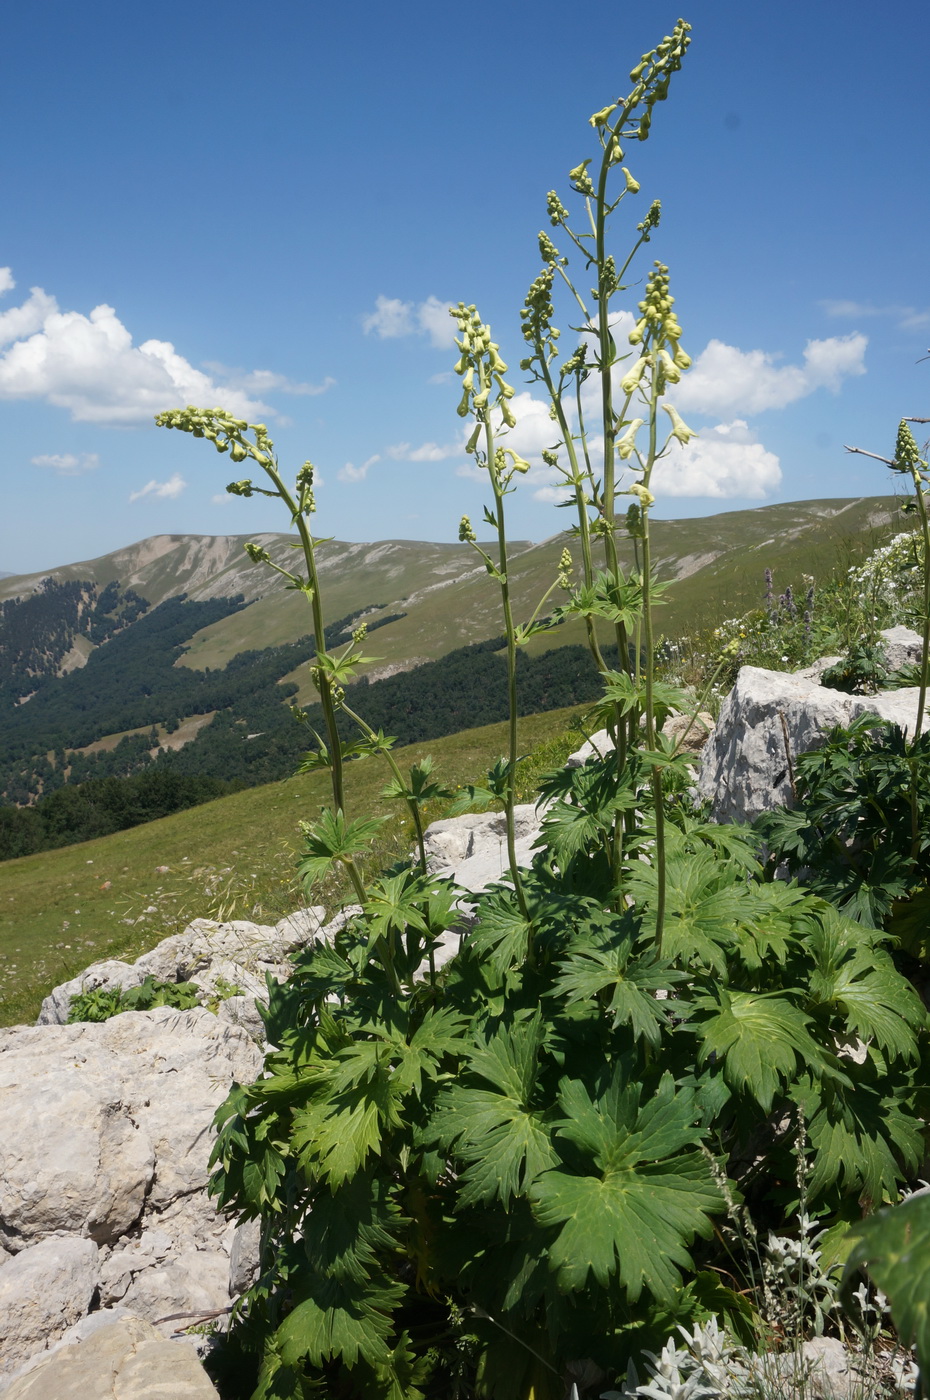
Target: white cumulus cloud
(161, 490)
(67, 463)
(725, 379)
(352, 473)
(393, 318)
(726, 460)
(88, 365)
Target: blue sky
(270, 209)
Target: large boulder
(770, 717)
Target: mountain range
(179, 654)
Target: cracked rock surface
(105, 1136)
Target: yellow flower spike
(627, 443)
(680, 430)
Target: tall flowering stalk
(907, 461)
(251, 442)
(586, 384)
(486, 396)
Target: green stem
(510, 801)
(650, 713)
(411, 802)
(324, 683)
(924, 659)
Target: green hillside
(232, 858)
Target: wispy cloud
(426, 452)
(725, 380)
(393, 318)
(353, 473)
(68, 463)
(161, 490)
(907, 317)
(265, 381)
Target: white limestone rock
(105, 1136)
(473, 848)
(43, 1290)
(770, 717)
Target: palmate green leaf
(704, 901)
(333, 838)
(334, 1133)
(393, 905)
(856, 978)
(336, 1321)
(864, 1139)
(497, 1132)
(345, 1228)
(641, 1196)
(761, 1039)
(502, 932)
(609, 965)
(894, 1246)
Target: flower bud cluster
(657, 327)
(223, 430)
(257, 554)
(240, 488)
(466, 533)
(906, 455)
(580, 179)
(536, 315)
(556, 210)
(566, 565)
(651, 220)
(481, 368)
(304, 484)
(360, 633)
(652, 75)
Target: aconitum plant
(511, 1177)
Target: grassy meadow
(116, 897)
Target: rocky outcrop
(770, 717)
(214, 956)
